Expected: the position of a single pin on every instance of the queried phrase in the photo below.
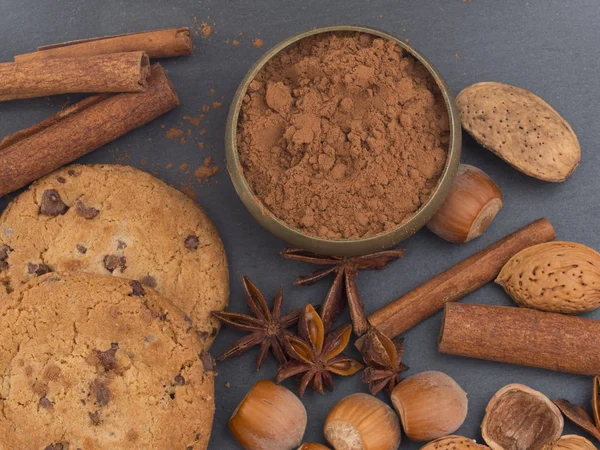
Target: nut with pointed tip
(520, 417)
(362, 422)
(270, 417)
(454, 442)
(570, 442)
(312, 446)
(471, 206)
(430, 405)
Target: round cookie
(95, 362)
(110, 219)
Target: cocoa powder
(343, 135)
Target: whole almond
(556, 276)
(454, 443)
(520, 128)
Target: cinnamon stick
(422, 302)
(118, 72)
(157, 44)
(85, 126)
(522, 336)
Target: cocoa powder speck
(344, 135)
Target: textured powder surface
(120, 221)
(100, 363)
(344, 135)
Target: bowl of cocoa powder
(343, 140)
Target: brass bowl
(341, 247)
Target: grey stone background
(550, 47)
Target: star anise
(383, 357)
(580, 416)
(345, 270)
(317, 355)
(267, 328)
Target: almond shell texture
(520, 128)
(454, 443)
(570, 442)
(557, 276)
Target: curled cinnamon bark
(75, 131)
(417, 305)
(157, 44)
(522, 336)
(118, 72)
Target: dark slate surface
(550, 47)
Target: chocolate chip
(179, 380)
(113, 262)
(208, 362)
(71, 172)
(101, 393)
(149, 281)
(163, 317)
(4, 251)
(107, 358)
(38, 269)
(202, 334)
(121, 245)
(81, 249)
(58, 446)
(87, 212)
(172, 395)
(187, 318)
(52, 204)
(61, 180)
(192, 242)
(137, 288)
(189, 447)
(95, 418)
(45, 403)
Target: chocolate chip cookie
(117, 220)
(96, 362)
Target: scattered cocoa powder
(344, 135)
(206, 29)
(173, 133)
(204, 172)
(194, 120)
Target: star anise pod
(580, 416)
(343, 290)
(317, 355)
(383, 357)
(267, 328)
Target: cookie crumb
(257, 42)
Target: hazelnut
(430, 405)
(270, 417)
(362, 422)
(470, 207)
(519, 417)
